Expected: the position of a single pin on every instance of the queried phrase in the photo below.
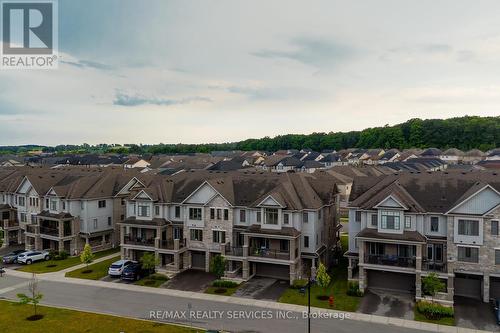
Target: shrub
(431, 284)
(53, 254)
(353, 289)
(224, 284)
(63, 255)
(434, 311)
(299, 283)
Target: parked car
(116, 268)
(496, 309)
(11, 258)
(30, 257)
(134, 272)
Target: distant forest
(463, 133)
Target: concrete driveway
(474, 314)
(388, 304)
(262, 288)
(191, 280)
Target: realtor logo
(29, 34)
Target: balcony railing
(10, 224)
(169, 244)
(269, 253)
(389, 260)
(134, 240)
(32, 229)
(49, 231)
(434, 266)
(236, 251)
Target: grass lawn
(450, 321)
(98, 270)
(154, 280)
(13, 320)
(57, 265)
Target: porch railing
(169, 244)
(269, 253)
(390, 260)
(10, 224)
(434, 266)
(134, 240)
(236, 251)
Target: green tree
(87, 256)
(34, 297)
(322, 277)
(149, 262)
(431, 284)
(218, 266)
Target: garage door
(391, 281)
(468, 285)
(495, 287)
(198, 259)
(272, 271)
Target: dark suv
(134, 272)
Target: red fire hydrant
(331, 301)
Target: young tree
(322, 277)
(218, 266)
(431, 284)
(87, 256)
(149, 262)
(34, 297)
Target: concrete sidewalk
(248, 302)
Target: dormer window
(390, 220)
(143, 210)
(271, 216)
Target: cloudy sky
(215, 71)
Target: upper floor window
(374, 220)
(23, 217)
(390, 219)
(286, 218)
(109, 220)
(259, 218)
(407, 222)
(319, 214)
(157, 210)
(195, 214)
(494, 228)
(497, 256)
(271, 216)
(226, 214)
(101, 203)
(143, 210)
(434, 224)
(468, 227)
(196, 234)
(358, 216)
(177, 212)
(468, 254)
(243, 215)
(95, 223)
(53, 204)
(219, 236)
(212, 213)
(64, 205)
(22, 201)
(47, 203)
(306, 241)
(219, 212)
(81, 205)
(305, 217)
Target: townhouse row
(404, 226)
(276, 225)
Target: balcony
(10, 224)
(170, 244)
(439, 267)
(269, 253)
(32, 229)
(49, 231)
(390, 260)
(236, 251)
(134, 240)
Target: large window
(53, 204)
(468, 227)
(271, 216)
(468, 254)
(434, 224)
(390, 219)
(195, 214)
(196, 234)
(219, 236)
(143, 210)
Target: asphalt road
(222, 316)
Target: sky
(160, 71)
